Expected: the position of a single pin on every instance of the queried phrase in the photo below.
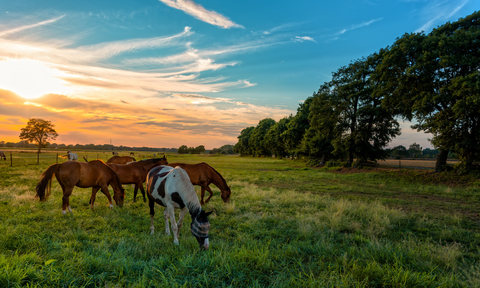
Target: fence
(31, 158)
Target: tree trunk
(441, 163)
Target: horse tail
(46, 182)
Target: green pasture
(287, 226)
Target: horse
(72, 156)
(69, 174)
(136, 173)
(2, 156)
(171, 188)
(132, 154)
(120, 160)
(115, 153)
(202, 174)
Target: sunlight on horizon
(31, 78)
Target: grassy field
(286, 226)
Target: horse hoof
(64, 212)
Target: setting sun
(30, 78)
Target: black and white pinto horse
(72, 156)
(171, 188)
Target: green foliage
(225, 149)
(243, 145)
(257, 140)
(38, 131)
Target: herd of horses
(168, 184)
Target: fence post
(57, 158)
(11, 160)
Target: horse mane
(110, 169)
(191, 199)
(221, 177)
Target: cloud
(199, 12)
(439, 12)
(25, 27)
(303, 39)
(356, 26)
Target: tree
(274, 140)
(415, 150)
(182, 149)
(257, 140)
(199, 149)
(243, 145)
(431, 78)
(38, 131)
(296, 128)
(399, 151)
(367, 127)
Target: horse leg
(165, 216)
(202, 193)
(66, 203)
(151, 204)
(171, 212)
(104, 189)
(210, 193)
(135, 194)
(92, 198)
(180, 219)
(142, 190)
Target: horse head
(119, 197)
(226, 195)
(200, 228)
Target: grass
(286, 226)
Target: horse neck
(115, 181)
(190, 197)
(217, 179)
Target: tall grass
(286, 226)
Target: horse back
(200, 174)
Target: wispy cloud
(439, 12)
(356, 26)
(25, 27)
(303, 39)
(199, 12)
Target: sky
(166, 73)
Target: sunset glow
(30, 78)
(172, 73)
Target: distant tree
(38, 131)
(274, 140)
(199, 149)
(415, 150)
(243, 145)
(399, 151)
(257, 140)
(225, 149)
(296, 128)
(182, 149)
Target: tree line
(432, 79)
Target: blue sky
(170, 72)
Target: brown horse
(136, 173)
(2, 156)
(203, 174)
(120, 160)
(69, 174)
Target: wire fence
(31, 158)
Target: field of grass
(287, 226)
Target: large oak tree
(38, 131)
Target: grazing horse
(72, 156)
(120, 160)
(171, 188)
(115, 153)
(136, 173)
(203, 174)
(132, 154)
(69, 174)
(2, 156)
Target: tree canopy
(38, 131)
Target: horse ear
(208, 213)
